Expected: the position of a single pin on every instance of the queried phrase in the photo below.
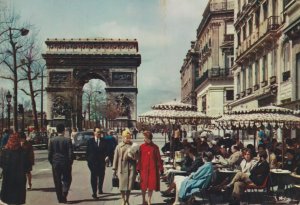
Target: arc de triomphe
(71, 63)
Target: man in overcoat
(97, 151)
(61, 158)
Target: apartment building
(290, 89)
(260, 77)
(214, 45)
(188, 74)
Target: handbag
(136, 185)
(115, 181)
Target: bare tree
(13, 46)
(31, 71)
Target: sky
(163, 28)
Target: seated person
(272, 158)
(248, 162)
(288, 164)
(257, 176)
(187, 185)
(166, 147)
(189, 168)
(234, 159)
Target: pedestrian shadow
(47, 189)
(92, 200)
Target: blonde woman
(124, 165)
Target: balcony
(286, 2)
(265, 33)
(213, 73)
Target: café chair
(264, 188)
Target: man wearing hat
(96, 153)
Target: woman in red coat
(149, 166)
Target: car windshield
(84, 136)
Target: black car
(39, 140)
(80, 143)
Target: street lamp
(8, 99)
(15, 48)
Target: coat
(15, 164)
(196, 181)
(95, 154)
(124, 166)
(149, 166)
(60, 151)
(259, 172)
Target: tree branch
(26, 93)
(7, 78)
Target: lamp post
(14, 47)
(42, 97)
(8, 99)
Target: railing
(215, 7)
(270, 24)
(212, 73)
(286, 2)
(228, 37)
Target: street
(43, 191)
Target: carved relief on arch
(84, 75)
(60, 107)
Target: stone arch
(73, 62)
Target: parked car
(80, 143)
(39, 139)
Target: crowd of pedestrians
(141, 165)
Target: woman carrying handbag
(124, 166)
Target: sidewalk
(136, 196)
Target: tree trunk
(33, 103)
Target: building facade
(291, 60)
(188, 74)
(260, 78)
(214, 44)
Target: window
(229, 28)
(239, 38)
(250, 26)
(265, 68)
(229, 95)
(244, 79)
(238, 83)
(286, 57)
(257, 72)
(204, 104)
(265, 9)
(257, 16)
(250, 76)
(244, 32)
(229, 60)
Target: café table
(280, 178)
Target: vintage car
(80, 143)
(38, 140)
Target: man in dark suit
(96, 153)
(61, 157)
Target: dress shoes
(100, 192)
(94, 196)
(169, 200)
